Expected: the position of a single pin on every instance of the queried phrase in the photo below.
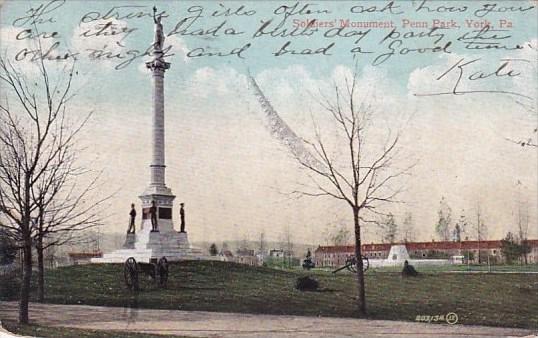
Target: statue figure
(307, 262)
(132, 214)
(159, 35)
(153, 215)
(182, 217)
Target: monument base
(398, 255)
(146, 245)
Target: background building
(333, 256)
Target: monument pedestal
(147, 245)
(130, 240)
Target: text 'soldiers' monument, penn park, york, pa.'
(156, 236)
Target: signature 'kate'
(464, 74)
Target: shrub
(306, 283)
(408, 270)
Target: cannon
(351, 264)
(157, 270)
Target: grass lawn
(464, 268)
(509, 300)
(61, 332)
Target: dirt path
(217, 324)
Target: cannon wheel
(365, 263)
(162, 271)
(130, 273)
(351, 264)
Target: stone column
(158, 159)
(158, 66)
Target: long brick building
(336, 255)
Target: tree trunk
(361, 300)
(525, 251)
(40, 271)
(26, 278)
(27, 254)
(479, 249)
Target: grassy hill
(488, 299)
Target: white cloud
(179, 47)
(297, 94)
(223, 83)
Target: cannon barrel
(351, 264)
(342, 268)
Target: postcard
(268, 168)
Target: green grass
(509, 300)
(464, 268)
(64, 332)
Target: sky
(223, 162)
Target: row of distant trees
(285, 242)
(446, 228)
(514, 249)
(287, 259)
(477, 229)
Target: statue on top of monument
(159, 35)
(182, 216)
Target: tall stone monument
(156, 237)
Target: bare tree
(388, 228)
(287, 243)
(341, 235)
(326, 235)
(244, 244)
(444, 222)
(38, 196)
(408, 228)
(479, 227)
(63, 213)
(262, 245)
(523, 224)
(460, 228)
(64, 218)
(364, 178)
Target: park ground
(99, 321)
(490, 299)
(64, 331)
